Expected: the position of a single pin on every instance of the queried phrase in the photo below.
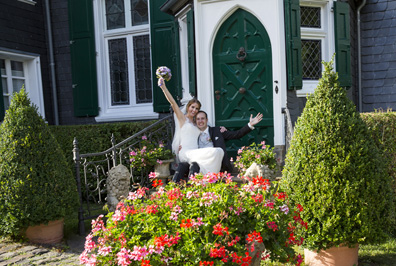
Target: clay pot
(335, 256)
(46, 233)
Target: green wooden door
(242, 71)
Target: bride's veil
(176, 138)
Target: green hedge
(382, 127)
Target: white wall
(209, 15)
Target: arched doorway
(242, 74)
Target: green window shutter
(191, 52)
(2, 111)
(293, 44)
(342, 43)
(164, 31)
(83, 58)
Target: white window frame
(325, 33)
(32, 72)
(107, 112)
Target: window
(317, 42)
(12, 79)
(18, 70)
(124, 61)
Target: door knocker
(241, 55)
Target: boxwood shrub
(334, 170)
(36, 184)
(382, 129)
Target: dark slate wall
(22, 29)
(378, 26)
(60, 28)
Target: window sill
(126, 114)
(30, 2)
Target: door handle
(217, 92)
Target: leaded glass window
(141, 51)
(139, 12)
(118, 59)
(115, 14)
(311, 59)
(310, 17)
(12, 78)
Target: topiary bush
(334, 170)
(36, 184)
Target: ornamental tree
(334, 170)
(36, 184)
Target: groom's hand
(222, 129)
(255, 120)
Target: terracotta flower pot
(46, 233)
(335, 256)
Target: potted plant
(260, 154)
(210, 221)
(334, 170)
(37, 188)
(151, 156)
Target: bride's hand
(161, 82)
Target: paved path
(24, 254)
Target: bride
(186, 136)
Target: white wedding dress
(208, 159)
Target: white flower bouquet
(164, 72)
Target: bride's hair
(193, 100)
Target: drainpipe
(360, 56)
(52, 62)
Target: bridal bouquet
(164, 72)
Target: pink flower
(123, 257)
(284, 209)
(89, 243)
(208, 198)
(159, 161)
(133, 153)
(139, 253)
(272, 225)
(104, 250)
(144, 137)
(198, 222)
(152, 175)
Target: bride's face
(193, 110)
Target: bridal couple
(200, 148)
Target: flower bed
(210, 221)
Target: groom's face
(202, 121)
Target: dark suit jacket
(219, 138)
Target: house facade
(94, 61)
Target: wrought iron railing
(92, 168)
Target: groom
(213, 137)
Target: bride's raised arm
(179, 114)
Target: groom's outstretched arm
(237, 134)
